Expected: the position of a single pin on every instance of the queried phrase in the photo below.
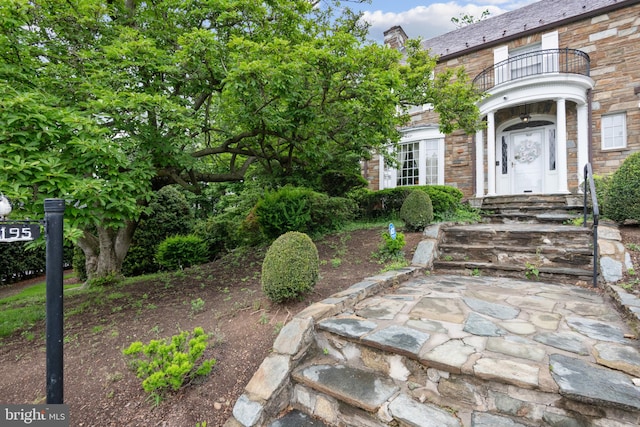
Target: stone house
(562, 86)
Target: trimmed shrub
(623, 197)
(416, 211)
(602, 183)
(290, 267)
(388, 202)
(303, 210)
(444, 199)
(169, 215)
(179, 252)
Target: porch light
(525, 117)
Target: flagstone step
(547, 256)
(519, 235)
(535, 273)
(378, 398)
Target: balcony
(549, 61)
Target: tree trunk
(105, 251)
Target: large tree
(103, 102)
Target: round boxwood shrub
(181, 251)
(290, 267)
(624, 191)
(416, 211)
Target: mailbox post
(53, 217)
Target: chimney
(395, 37)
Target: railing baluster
(533, 63)
(588, 179)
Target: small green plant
(325, 351)
(197, 305)
(167, 364)
(631, 272)
(630, 285)
(475, 272)
(448, 258)
(264, 319)
(201, 424)
(633, 247)
(395, 265)
(531, 271)
(336, 262)
(391, 249)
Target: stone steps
(455, 351)
(522, 236)
(559, 209)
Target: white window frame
(389, 177)
(612, 135)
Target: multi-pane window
(431, 149)
(409, 172)
(614, 131)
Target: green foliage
(337, 183)
(96, 109)
(531, 271)
(179, 252)
(602, 183)
(165, 365)
(416, 211)
(624, 191)
(388, 202)
(391, 250)
(169, 214)
(290, 267)
(23, 260)
(303, 210)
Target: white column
(583, 140)
(479, 164)
(562, 146)
(491, 154)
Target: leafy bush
(290, 267)
(303, 210)
(602, 183)
(338, 183)
(624, 191)
(391, 250)
(179, 252)
(416, 211)
(166, 365)
(169, 214)
(444, 199)
(388, 202)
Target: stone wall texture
(612, 41)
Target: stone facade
(610, 38)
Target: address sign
(17, 232)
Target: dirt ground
(101, 391)
(99, 388)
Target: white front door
(527, 161)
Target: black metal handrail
(548, 61)
(588, 180)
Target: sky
(426, 18)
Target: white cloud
(433, 20)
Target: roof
(536, 17)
